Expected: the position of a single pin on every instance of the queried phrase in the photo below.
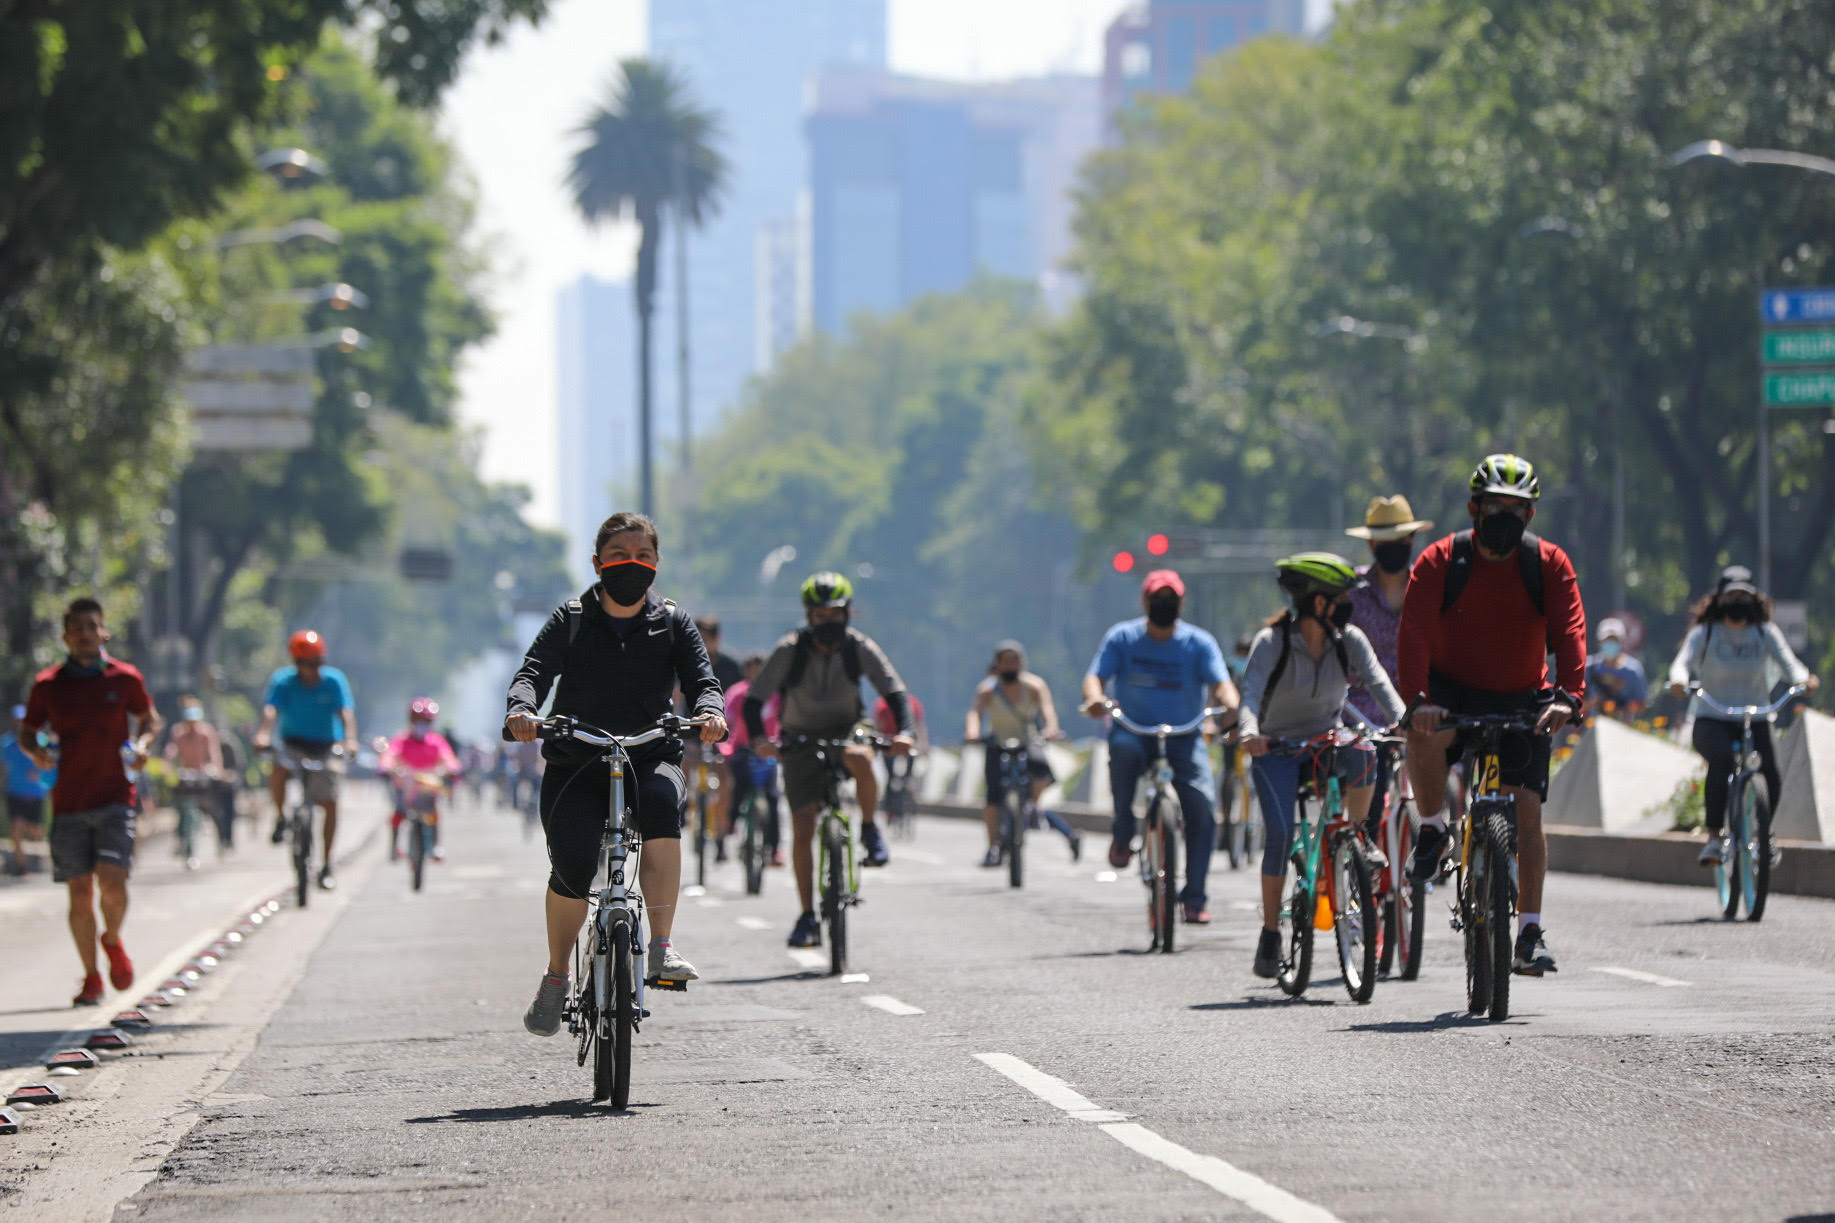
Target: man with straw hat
(1389, 528)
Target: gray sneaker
(543, 1017)
(667, 964)
(1710, 853)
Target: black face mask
(1009, 677)
(626, 581)
(1741, 610)
(1393, 555)
(1163, 610)
(830, 632)
(1339, 615)
(1501, 531)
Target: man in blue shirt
(1165, 672)
(312, 704)
(27, 786)
(1615, 680)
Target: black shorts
(30, 811)
(576, 801)
(1037, 769)
(83, 840)
(1522, 757)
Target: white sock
(1526, 920)
(1436, 820)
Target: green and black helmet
(828, 589)
(1316, 573)
(1506, 475)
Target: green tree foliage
(1489, 185)
(649, 146)
(119, 117)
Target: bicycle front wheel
(834, 891)
(624, 1013)
(1728, 886)
(1016, 840)
(1475, 914)
(700, 839)
(1502, 906)
(302, 855)
(1755, 873)
(1297, 916)
(751, 848)
(1352, 917)
(1410, 898)
(417, 852)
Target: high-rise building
(749, 60)
(1156, 47)
(917, 186)
(596, 413)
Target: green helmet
(1316, 573)
(1506, 475)
(828, 589)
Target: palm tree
(649, 147)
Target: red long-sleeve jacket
(1492, 639)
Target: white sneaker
(667, 964)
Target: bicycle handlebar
(809, 743)
(669, 725)
(1170, 732)
(1747, 711)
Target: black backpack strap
(850, 658)
(576, 614)
(1280, 662)
(799, 662)
(1458, 571)
(669, 618)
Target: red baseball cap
(1164, 579)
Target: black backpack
(850, 659)
(1280, 664)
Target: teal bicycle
(1743, 872)
(1339, 900)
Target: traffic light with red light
(1124, 562)
(1158, 545)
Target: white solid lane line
(1648, 978)
(1252, 1191)
(754, 923)
(809, 958)
(891, 1005)
(928, 859)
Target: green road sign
(1802, 346)
(1811, 388)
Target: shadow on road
(528, 1112)
(1439, 1023)
(1256, 1002)
(808, 974)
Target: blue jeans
(1191, 779)
(1276, 777)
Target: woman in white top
(1735, 653)
(1015, 704)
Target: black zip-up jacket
(619, 684)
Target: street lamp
(1720, 150)
(305, 227)
(774, 562)
(338, 296)
(291, 165)
(1344, 324)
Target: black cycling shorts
(576, 801)
(994, 778)
(1522, 757)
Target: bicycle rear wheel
(1756, 874)
(1353, 920)
(1016, 840)
(834, 891)
(1297, 914)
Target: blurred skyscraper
(750, 61)
(596, 416)
(916, 186)
(1156, 47)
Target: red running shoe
(120, 968)
(91, 992)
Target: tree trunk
(648, 222)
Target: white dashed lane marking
(1252, 1191)
(809, 958)
(754, 923)
(1648, 978)
(891, 1005)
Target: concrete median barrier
(1617, 778)
(1805, 810)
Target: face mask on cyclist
(627, 581)
(1741, 610)
(1009, 677)
(1500, 531)
(1392, 556)
(1339, 615)
(830, 632)
(1163, 609)
(1610, 648)
(418, 730)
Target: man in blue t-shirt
(27, 787)
(1165, 672)
(312, 705)
(1615, 680)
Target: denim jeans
(1191, 779)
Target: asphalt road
(1010, 1056)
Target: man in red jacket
(1483, 611)
(104, 721)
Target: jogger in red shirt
(1479, 620)
(96, 707)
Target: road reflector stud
(108, 1040)
(153, 1000)
(132, 1020)
(232, 938)
(73, 1059)
(9, 1121)
(174, 989)
(206, 962)
(35, 1094)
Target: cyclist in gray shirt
(818, 669)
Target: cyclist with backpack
(614, 657)
(1301, 668)
(818, 670)
(1484, 609)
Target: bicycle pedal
(665, 983)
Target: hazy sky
(511, 116)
